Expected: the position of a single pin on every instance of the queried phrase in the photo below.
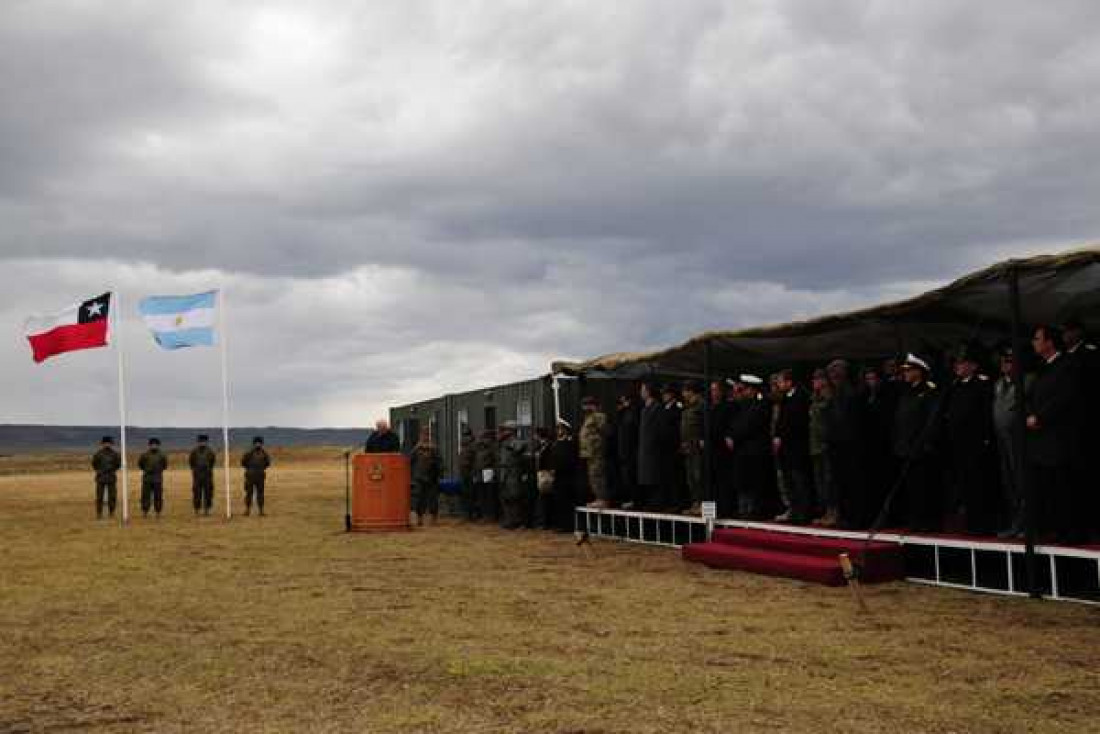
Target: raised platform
(1069, 573)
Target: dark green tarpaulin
(1053, 288)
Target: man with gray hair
(382, 440)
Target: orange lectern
(380, 492)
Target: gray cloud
(431, 195)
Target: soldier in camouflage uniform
(255, 464)
(153, 464)
(106, 463)
(426, 465)
(515, 473)
(485, 475)
(593, 451)
(466, 457)
(202, 462)
(691, 445)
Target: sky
(403, 199)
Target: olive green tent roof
(1052, 288)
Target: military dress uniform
(202, 461)
(753, 469)
(153, 463)
(255, 464)
(106, 462)
(916, 447)
(968, 418)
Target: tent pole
(708, 450)
(1024, 489)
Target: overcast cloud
(408, 198)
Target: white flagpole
(116, 336)
(223, 337)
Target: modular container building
(530, 403)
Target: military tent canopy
(1052, 289)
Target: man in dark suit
(670, 464)
(1052, 405)
(968, 423)
(748, 437)
(382, 440)
(719, 454)
(1085, 358)
(791, 445)
(846, 429)
(626, 453)
(879, 399)
(649, 448)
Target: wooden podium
(380, 490)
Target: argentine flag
(181, 321)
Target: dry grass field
(287, 624)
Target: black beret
(202, 437)
(107, 439)
(258, 439)
(154, 442)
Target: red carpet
(803, 557)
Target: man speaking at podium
(382, 440)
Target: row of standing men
(202, 460)
(828, 455)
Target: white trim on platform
(976, 545)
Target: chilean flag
(83, 326)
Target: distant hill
(23, 439)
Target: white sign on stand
(710, 514)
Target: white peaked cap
(917, 362)
(750, 380)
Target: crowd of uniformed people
(828, 450)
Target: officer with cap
(106, 462)
(915, 440)
(202, 461)
(153, 463)
(968, 420)
(255, 463)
